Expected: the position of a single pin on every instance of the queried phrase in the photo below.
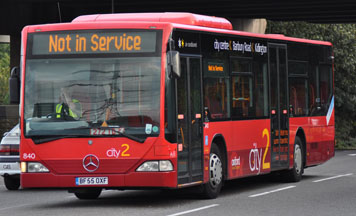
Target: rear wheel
(90, 193)
(12, 182)
(295, 174)
(216, 173)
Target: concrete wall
(4, 39)
(249, 25)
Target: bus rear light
(155, 166)
(33, 167)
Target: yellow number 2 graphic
(264, 164)
(124, 154)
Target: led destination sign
(93, 42)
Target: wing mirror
(173, 64)
(14, 83)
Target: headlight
(155, 166)
(149, 166)
(33, 167)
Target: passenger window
(298, 88)
(216, 90)
(298, 97)
(261, 87)
(325, 86)
(242, 88)
(320, 89)
(242, 96)
(216, 99)
(314, 100)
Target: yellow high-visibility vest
(71, 113)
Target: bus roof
(179, 18)
(188, 21)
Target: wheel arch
(301, 134)
(219, 140)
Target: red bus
(169, 100)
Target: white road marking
(273, 191)
(352, 155)
(11, 207)
(334, 177)
(194, 210)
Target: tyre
(216, 174)
(12, 182)
(295, 174)
(86, 194)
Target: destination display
(98, 42)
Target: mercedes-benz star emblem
(91, 163)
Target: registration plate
(91, 180)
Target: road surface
(328, 189)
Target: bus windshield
(92, 96)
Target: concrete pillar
(4, 39)
(15, 50)
(249, 25)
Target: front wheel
(216, 174)
(90, 193)
(295, 174)
(12, 182)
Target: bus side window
(242, 88)
(214, 101)
(314, 99)
(325, 87)
(216, 98)
(298, 97)
(293, 100)
(242, 96)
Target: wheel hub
(298, 159)
(215, 170)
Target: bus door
(279, 106)
(189, 107)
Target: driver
(68, 106)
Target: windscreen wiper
(132, 137)
(45, 139)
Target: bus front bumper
(122, 181)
